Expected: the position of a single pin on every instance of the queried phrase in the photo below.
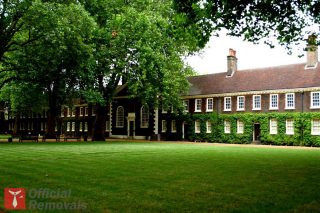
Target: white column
(156, 121)
(110, 119)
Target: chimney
(312, 52)
(232, 62)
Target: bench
(50, 138)
(28, 138)
(71, 137)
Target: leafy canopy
(287, 21)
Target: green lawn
(166, 177)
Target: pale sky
(213, 58)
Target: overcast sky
(213, 59)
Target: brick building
(273, 105)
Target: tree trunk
(51, 124)
(52, 114)
(100, 124)
(16, 124)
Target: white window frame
(293, 96)
(81, 111)
(240, 127)
(271, 107)
(68, 126)
(173, 126)
(120, 118)
(171, 109)
(209, 126)
(312, 102)
(86, 111)
(289, 126)
(62, 112)
(211, 108)
(144, 116)
(163, 126)
(73, 126)
(80, 127)
(238, 103)
(186, 105)
(68, 112)
(273, 126)
(197, 103)
(225, 104)
(163, 110)
(315, 128)
(197, 126)
(227, 127)
(86, 126)
(253, 102)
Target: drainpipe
(302, 110)
(302, 101)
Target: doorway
(185, 131)
(131, 129)
(256, 132)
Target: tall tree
(141, 44)
(53, 63)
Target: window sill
(273, 108)
(316, 134)
(227, 110)
(257, 109)
(317, 107)
(241, 110)
(290, 108)
(209, 110)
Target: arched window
(120, 117)
(144, 113)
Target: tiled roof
(271, 78)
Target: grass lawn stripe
(167, 177)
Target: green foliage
(302, 128)
(286, 21)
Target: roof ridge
(251, 69)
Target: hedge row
(302, 128)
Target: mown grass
(166, 177)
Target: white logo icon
(15, 202)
